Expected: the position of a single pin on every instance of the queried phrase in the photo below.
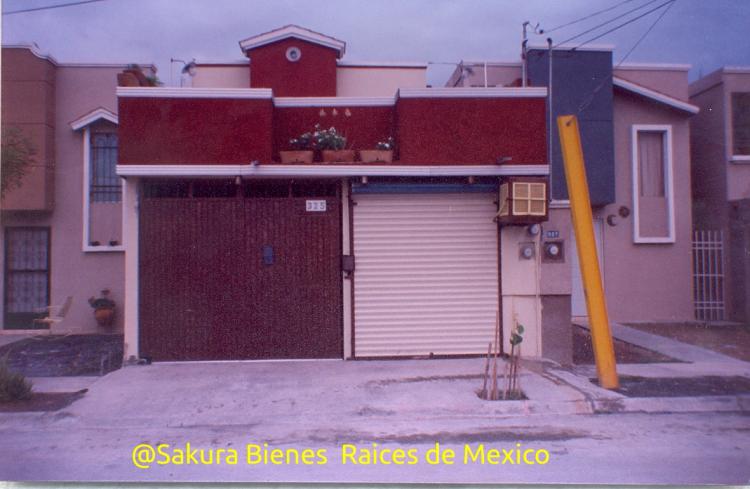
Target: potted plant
(382, 153)
(332, 144)
(302, 150)
(104, 308)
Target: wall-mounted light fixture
(188, 68)
(503, 159)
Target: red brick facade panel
(194, 131)
(312, 75)
(471, 130)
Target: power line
(649, 2)
(593, 93)
(646, 33)
(625, 23)
(50, 7)
(542, 31)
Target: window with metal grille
(105, 184)
(26, 276)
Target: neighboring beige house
(644, 231)
(61, 230)
(720, 146)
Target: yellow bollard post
(580, 207)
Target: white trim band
(172, 92)
(656, 96)
(380, 64)
(275, 170)
(296, 32)
(654, 66)
(333, 101)
(473, 92)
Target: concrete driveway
(376, 407)
(180, 394)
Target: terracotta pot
(104, 316)
(292, 157)
(138, 74)
(376, 155)
(127, 79)
(338, 155)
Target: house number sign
(315, 205)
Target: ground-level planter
(104, 316)
(376, 156)
(338, 155)
(104, 309)
(292, 157)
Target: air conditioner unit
(523, 200)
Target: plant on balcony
(383, 152)
(302, 150)
(104, 308)
(332, 144)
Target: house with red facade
(224, 248)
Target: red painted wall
(364, 128)
(471, 130)
(194, 131)
(313, 75)
(237, 131)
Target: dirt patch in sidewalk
(42, 401)
(633, 386)
(583, 351)
(732, 340)
(65, 355)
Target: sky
(706, 34)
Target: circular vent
(293, 54)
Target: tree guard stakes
(580, 207)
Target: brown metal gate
(239, 278)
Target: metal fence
(708, 275)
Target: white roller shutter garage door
(426, 279)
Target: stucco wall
(648, 282)
(220, 76)
(738, 172)
(670, 81)
(28, 101)
(74, 273)
(708, 151)
(363, 81)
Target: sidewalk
(695, 362)
(185, 393)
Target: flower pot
(338, 155)
(376, 155)
(292, 157)
(127, 79)
(104, 316)
(138, 74)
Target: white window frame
(87, 248)
(666, 130)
